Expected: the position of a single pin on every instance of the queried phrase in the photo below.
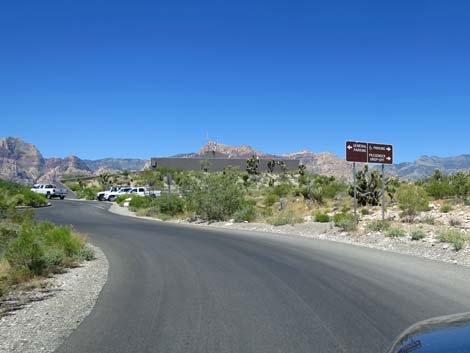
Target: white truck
(49, 190)
(141, 191)
(112, 193)
(103, 195)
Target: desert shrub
(270, 199)
(345, 221)
(88, 193)
(365, 211)
(85, 254)
(40, 248)
(122, 198)
(4, 276)
(322, 217)
(247, 212)
(14, 194)
(286, 217)
(446, 208)
(138, 202)
(33, 199)
(395, 232)
(417, 234)
(455, 222)
(73, 186)
(170, 206)
(214, 196)
(281, 190)
(377, 226)
(412, 199)
(452, 236)
(428, 220)
(25, 252)
(267, 212)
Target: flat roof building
(215, 161)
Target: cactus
(252, 165)
(368, 186)
(271, 165)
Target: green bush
(412, 199)
(138, 202)
(322, 218)
(214, 196)
(452, 236)
(345, 221)
(417, 234)
(122, 198)
(41, 248)
(88, 193)
(282, 190)
(365, 211)
(270, 199)
(428, 220)
(446, 208)
(171, 206)
(19, 195)
(247, 212)
(395, 232)
(286, 217)
(377, 226)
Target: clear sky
(155, 78)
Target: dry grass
(4, 271)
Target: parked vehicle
(142, 191)
(49, 190)
(111, 196)
(103, 195)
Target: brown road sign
(356, 151)
(380, 153)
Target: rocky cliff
(20, 161)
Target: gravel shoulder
(39, 320)
(427, 248)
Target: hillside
(23, 162)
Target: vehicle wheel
(48, 195)
(100, 198)
(112, 198)
(62, 197)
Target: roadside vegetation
(30, 249)
(291, 197)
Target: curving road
(175, 288)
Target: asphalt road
(189, 289)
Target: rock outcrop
(20, 161)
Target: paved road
(186, 289)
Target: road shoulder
(43, 318)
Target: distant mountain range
(22, 162)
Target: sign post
(168, 181)
(368, 152)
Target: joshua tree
(368, 187)
(252, 165)
(104, 178)
(271, 165)
(283, 166)
(205, 165)
(302, 169)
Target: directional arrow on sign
(388, 158)
(388, 149)
(349, 147)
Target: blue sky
(154, 78)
